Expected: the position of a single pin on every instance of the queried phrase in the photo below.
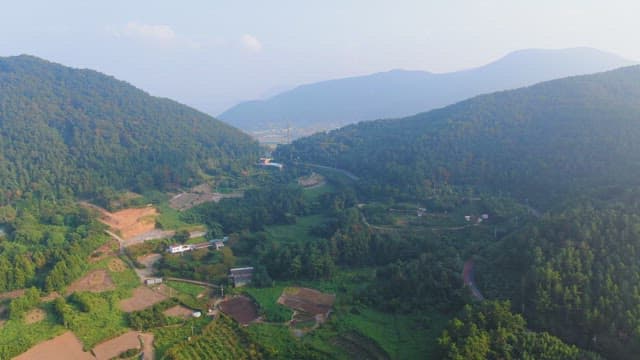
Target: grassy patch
(17, 337)
(171, 219)
(186, 288)
(279, 343)
(314, 193)
(266, 299)
(103, 321)
(295, 233)
(125, 281)
(401, 336)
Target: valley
(504, 226)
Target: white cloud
(153, 33)
(251, 43)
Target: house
(485, 216)
(179, 248)
(218, 244)
(152, 281)
(268, 162)
(467, 218)
(241, 276)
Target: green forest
(502, 227)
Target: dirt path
(147, 346)
(148, 261)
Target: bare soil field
(63, 347)
(35, 316)
(128, 222)
(307, 300)
(95, 281)
(196, 196)
(179, 311)
(132, 222)
(311, 180)
(240, 308)
(143, 297)
(114, 347)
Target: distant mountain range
(397, 93)
(67, 129)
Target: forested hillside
(568, 148)
(537, 143)
(65, 130)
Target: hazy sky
(211, 54)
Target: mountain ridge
(398, 93)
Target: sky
(212, 54)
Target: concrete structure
(241, 276)
(179, 248)
(152, 281)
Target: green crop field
(266, 299)
(186, 288)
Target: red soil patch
(131, 222)
(96, 281)
(143, 297)
(179, 311)
(35, 316)
(307, 300)
(240, 308)
(63, 347)
(114, 347)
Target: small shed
(179, 248)
(241, 276)
(152, 281)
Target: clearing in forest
(116, 265)
(179, 311)
(241, 309)
(143, 297)
(308, 301)
(128, 222)
(35, 316)
(63, 347)
(198, 195)
(95, 281)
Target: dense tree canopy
(537, 143)
(66, 130)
